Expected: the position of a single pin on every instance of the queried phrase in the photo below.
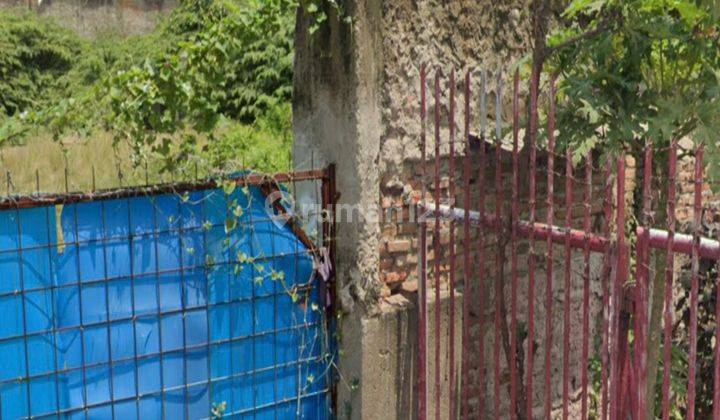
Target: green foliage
(632, 70)
(318, 11)
(35, 54)
(636, 69)
(237, 66)
(164, 93)
(212, 82)
(264, 145)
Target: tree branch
(602, 26)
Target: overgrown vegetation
(34, 55)
(629, 71)
(163, 93)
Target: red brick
(400, 245)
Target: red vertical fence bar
(568, 278)
(451, 181)
(482, 161)
(605, 347)
(513, 246)
(422, 298)
(549, 268)
(642, 286)
(436, 248)
(531, 252)
(623, 372)
(716, 374)
(617, 349)
(669, 273)
(466, 255)
(694, 284)
(498, 239)
(586, 289)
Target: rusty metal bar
(708, 248)
(532, 139)
(482, 160)
(422, 287)
(451, 287)
(694, 284)
(683, 244)
(558, 235)
(643, 279)
(498, 237)
(617, 349)
(669, 273)
(567, 278)
(515, 215)
(549, 268)
(41, 200)
(604, 348)
(586, 289)
(466, 255)
(716, 375)
(330, 243)
(540, 231)
(436, 245)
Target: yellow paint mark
(59, 229)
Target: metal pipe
(643, 278)
(451, 286)
(530, 371)
(695, 281)
(568, 283)
(586, 289)
(617, 348)
(436, 246)
(549, 268)
(515, 216)
(422, 287)
(499, 251)
(41, 200)
(657, 238)
(466, 255)
(669, 274)
(716, 375)
(604, 349)
(481, 244)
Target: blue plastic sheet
(152, 307)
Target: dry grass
(45, 160)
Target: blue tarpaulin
(159, 307)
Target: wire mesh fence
(192, 301)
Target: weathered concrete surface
(356, 104)
(386, 346)
(337, 118)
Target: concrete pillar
(356, 104)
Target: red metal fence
(462, 247)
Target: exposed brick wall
(399, 260)
(399, 263)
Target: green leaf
(583, 6)
(238, 211)
(230, 224)
(228, 186)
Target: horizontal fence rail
(574, 333)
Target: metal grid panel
(507, 219)
(152, 307)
